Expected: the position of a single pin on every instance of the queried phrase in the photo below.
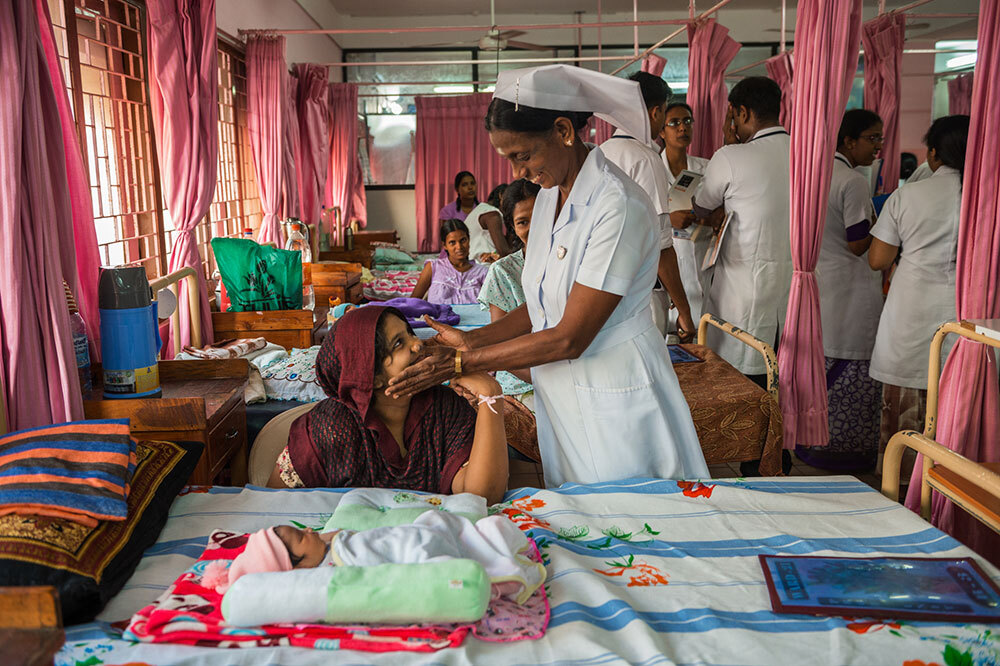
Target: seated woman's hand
(436, 367)
(478, 384)
(447, 336)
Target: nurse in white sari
(607, 400)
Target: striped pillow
(79, 471)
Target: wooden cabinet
(202, 401)
(364, 255)
(288, 328)
(336, 280)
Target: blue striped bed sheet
(644, 571)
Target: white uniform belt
(621, 332)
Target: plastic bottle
(248, 233)
(297, 242)
(81, 346)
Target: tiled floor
(525, 474)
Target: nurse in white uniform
(919, 224)
(750, 180)
(608, 403)
(850, 302)
(676, 137)
(642, 163)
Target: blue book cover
(680, 355)
(955, 589)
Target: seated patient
(360, 437)
(452, 278)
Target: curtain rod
(459, 28)
(860, 52)
(705, 14)
(483, 62)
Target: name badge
(561, 252)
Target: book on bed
(915, 588)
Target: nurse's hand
(436, 367)
(447, 336)
(685, 326)
(682, 219)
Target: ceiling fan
(497, 40)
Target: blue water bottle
(130, 335)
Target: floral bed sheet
(642, 571)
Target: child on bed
(453, 278)
(434, 536)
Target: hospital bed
(642, 571)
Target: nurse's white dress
(690, 253)
(617, 411)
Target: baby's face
(305, 547)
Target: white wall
(394, 209)
(915, 108)
(232, 15)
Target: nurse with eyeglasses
(676, 136)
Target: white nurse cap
(569, 88)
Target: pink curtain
(779, 68)
(266, 88)
(960, 95)
(883, 41)
(654, 64)
(88, 257)
(314, 139)
(450, 138)
(710, 51)
(969, 407)
(37, 365)
(290, 183)
(183, 90)
(597, 131)
(826, 54)
(345, 183)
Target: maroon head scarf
(342, 443)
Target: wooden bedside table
(202, 401)
(364, 255)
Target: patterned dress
(449, 286)
(502, 288)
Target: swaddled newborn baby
(435, 536)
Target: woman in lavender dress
(452, 278)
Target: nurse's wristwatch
(458, 362)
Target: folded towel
(453, 591)
(365, 508)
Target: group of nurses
(608, 402)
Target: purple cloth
(448, 285)
(453, 211)
(415, 308)
(858, 231)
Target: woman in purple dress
(453, 277)
(465, 191)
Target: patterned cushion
(77, 470)
(88, 565)
(293, 377)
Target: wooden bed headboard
(288, 328)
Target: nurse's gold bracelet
(458, 362)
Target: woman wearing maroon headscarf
(433, 441)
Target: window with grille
(101, 46)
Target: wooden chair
(770, 360)
(971, 485)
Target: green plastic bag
(258, 277)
